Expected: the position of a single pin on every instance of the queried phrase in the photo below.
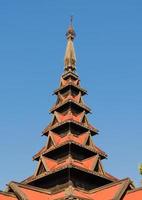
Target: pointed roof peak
(70, 58)
(70, 34)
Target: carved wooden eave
(33, 188)
(93, 149)
(70, 101)
(70, 73)
(90, 128)
(71, 85)
(124, 189)
(69, 167)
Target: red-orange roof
(70, 137)
(80, 139)
(70, 83)
(122, 189)
(107, 193)
(135, 194)
(66, 100)
(6, 196)
(70, 96)
(65, 82)
(83, 125)
(69, 116)
(88, 165)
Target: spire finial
(71, 19)
(70, 32)
(70, 58)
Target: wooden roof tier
(70, 101)
(69, 74)
(119, 190)
(71, 172)
(70, 85)
(79, 140)
(70, 122)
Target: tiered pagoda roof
(69, 166)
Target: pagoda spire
(69, 157)
(70, 58)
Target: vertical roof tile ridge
(122, 189)
(19, 194)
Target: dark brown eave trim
(70, 84)
(55, 107)
(41, 190)
(71, 142)
(125, 183)
(68, 166)
(109, 185)
(34, 188)
(66, 74)
(92, 172)
(93, 131)
(134, 190)
(75, 197)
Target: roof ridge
(122, 189)
(19, 194)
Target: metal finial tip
(70, 32)
(71, 19)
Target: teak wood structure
(70, 166)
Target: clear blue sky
(109, 61)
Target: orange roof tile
(135, 194)
(69, 116)
(115, 190)
(87, 164)
(106, 194)
(70, 96)
(6, 196)
(70, 137)
(111, 191)
(34, 193)
(78, 139)
(52, 127)
(56, 138)
(49, 163)
(90, 163)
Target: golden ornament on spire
(70, 58)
